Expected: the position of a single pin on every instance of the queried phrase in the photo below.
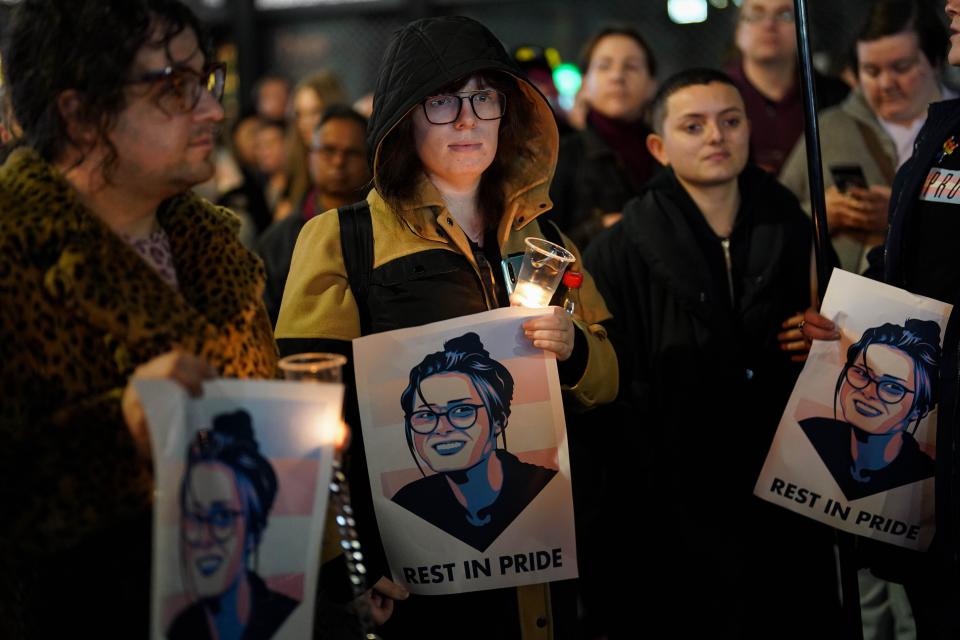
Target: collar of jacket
(86, 264)
(527, 189)
(657, 227)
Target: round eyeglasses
(487, 104)
(219, 522)
(889, 391)
(460, 416)
(183, 87)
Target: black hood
(423, 57)
(429, 54)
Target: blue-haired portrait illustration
(456, 409)
(226, 494)
(888, 384)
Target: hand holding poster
(855, 447)
(241, 476)
(458, 511)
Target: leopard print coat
(79, 310)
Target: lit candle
(532, 295)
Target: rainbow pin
(948, 148)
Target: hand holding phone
(846, 176)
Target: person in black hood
(706, 265)
(463, 152)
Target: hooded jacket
(425, 270)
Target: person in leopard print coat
(110, 269)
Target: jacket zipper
(725, 243)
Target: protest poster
(856, 445)
(241, 475)
(458, 509)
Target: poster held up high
(466, 446)
(856, 445)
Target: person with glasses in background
(340, 173)
(767, 74)
(226, 494)
(898, 55)
(463, 150)
(890, 381)
(111, 270)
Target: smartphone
(511, 270)
(848, 175)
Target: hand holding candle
(553, 332)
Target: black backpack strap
(356, 245)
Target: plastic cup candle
(319, 367)
(541, 271)
(313, 367)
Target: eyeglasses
(783, 17)
(888, 391)
(183, 86)
(460, 416)
(329, 153)
(220, 523)
(488, 104)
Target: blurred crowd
(674, 190)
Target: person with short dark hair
(606, 164)
(898, 55)
(112, 270)
(340, 173)
(700, 274)
(767, 74)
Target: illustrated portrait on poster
(463, 429)
(856, 446)
(241, 476)
(888, 384)
(226, 495)
(456, 412)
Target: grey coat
(842, 142)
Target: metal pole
(849, 586)
(812, 137)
